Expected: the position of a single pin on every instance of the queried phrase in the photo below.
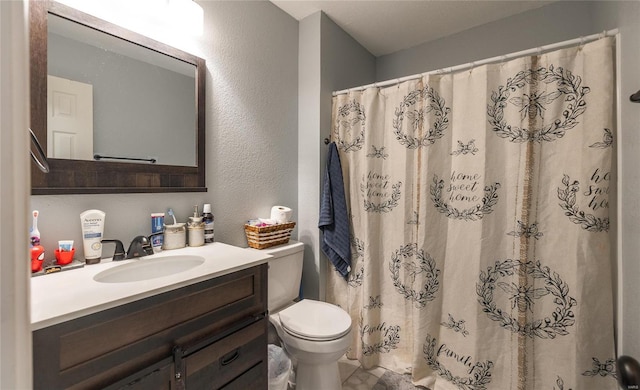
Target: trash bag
(279, 368)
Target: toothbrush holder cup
(64, 257)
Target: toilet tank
(285, 273)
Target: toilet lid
(315, 320)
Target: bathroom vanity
(202, 327)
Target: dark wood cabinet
(211, 334)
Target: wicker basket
(261, 237)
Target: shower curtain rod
(470, 65)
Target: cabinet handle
(178, 368)
(230, 357)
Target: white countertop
(67, 295)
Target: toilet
(315, 334)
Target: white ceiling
(384, 27)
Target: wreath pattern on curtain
(350, 122)
(534, 104)
(418, 107)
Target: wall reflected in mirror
(110, 97)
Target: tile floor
(355, 377)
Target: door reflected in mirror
(111, 99)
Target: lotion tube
(92, 222)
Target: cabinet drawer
(228, 358)
(255, 378)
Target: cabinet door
(230, 358)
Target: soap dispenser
(195, 228)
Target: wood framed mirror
(134, 148)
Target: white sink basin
(146, 269)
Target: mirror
(121, 112)
(136, 93)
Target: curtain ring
(503, 59)
(473, 65)
(539, 51)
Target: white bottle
(92, 222)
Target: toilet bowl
(314, 334)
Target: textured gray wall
(251, 133)
(330, 60)
(550, 24)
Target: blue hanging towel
(334, 221)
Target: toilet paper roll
(281, 214)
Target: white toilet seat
(315, 321)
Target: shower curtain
(479, 211)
